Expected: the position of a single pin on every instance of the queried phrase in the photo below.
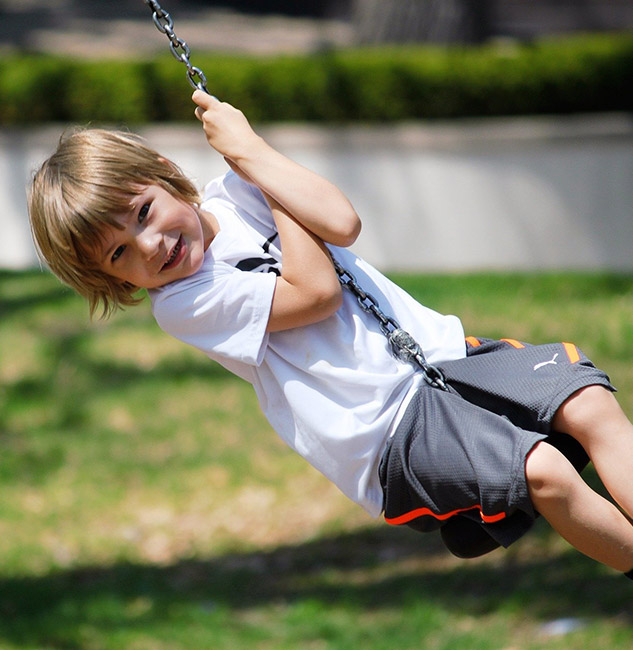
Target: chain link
(403, 345)
(178, 47)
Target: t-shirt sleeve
(248, 197)
(224, 313)
(241, 195)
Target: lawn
(145, 503)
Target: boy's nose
(149, 244)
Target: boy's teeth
(175, 252)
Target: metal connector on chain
(178, 47)
(403, 345)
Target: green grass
(146, 504)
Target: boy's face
(163, 239)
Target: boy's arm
(312, 200)
(308, 289)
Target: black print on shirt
(261, 264)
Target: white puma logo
(547, 363)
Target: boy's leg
(594, 418)
(586, 520)
(452, 460)
(524, 383)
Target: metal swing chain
(178, 47)
(403, 345)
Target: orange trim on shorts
(572, 352)
(471, 340)
(515, 344)
(421, 512)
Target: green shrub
(579, 74)
(107, 91)
(32, 90)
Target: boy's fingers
(199, 96)
(203, 99)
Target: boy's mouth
(175, 255)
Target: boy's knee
(549, 475)
(582, 410)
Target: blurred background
(512, 115)
(94, 28)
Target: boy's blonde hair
(79, 191)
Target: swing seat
(466, 539)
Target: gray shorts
(463, 452)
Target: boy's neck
(210, 227)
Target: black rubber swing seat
(466, 539)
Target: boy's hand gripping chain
(403, 345)
(178, 47)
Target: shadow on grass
(36, 289)
(375, 569)
(372, 569)
(68, 381)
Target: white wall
(541, 193)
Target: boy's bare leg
(585, 519)
(594, 418)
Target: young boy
(247, 277)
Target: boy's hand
(318, 205)
(226, 127)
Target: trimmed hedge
(579, 74)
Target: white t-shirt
(331, 390)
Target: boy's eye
(117, 253)
(142, 213)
